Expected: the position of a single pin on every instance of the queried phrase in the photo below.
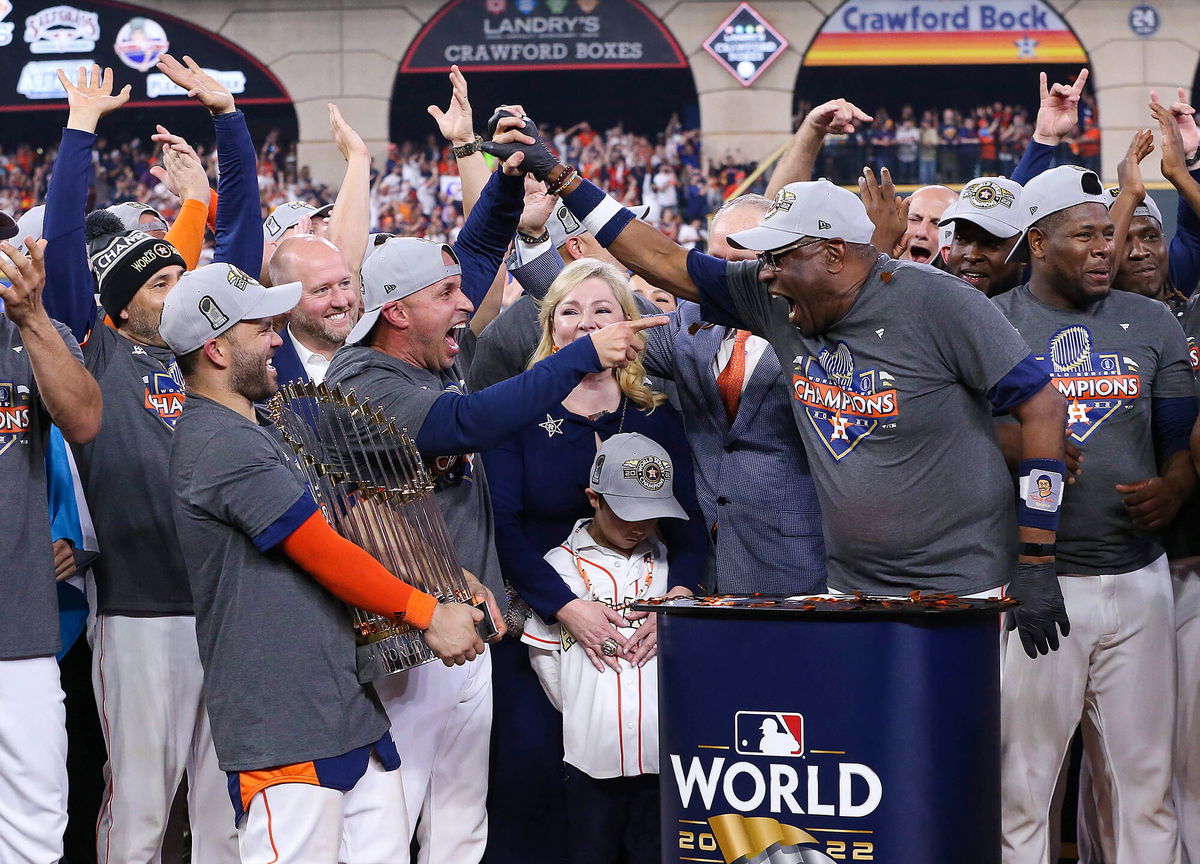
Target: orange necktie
(729, 382)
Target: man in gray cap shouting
(895, 372)
(402, 356)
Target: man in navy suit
(328, 306)
(752, 475)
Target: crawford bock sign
(523, 35)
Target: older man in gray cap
(895, 372)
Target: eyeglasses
(774, 258)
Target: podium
(804, 730)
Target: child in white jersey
(610, 717)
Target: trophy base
(486, 629)
(391, 654)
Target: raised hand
(1059, 111)
(201, 86)
(27, 273)
(170, 142)
(887, 210)
(455, 123)
(836, 117)
(1185, 119)
(538, 207)
(1174, 150)
(1129, 171)
(91, 96)
(513, 132)
(348, 141)
(187, 175)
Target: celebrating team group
(977, 393)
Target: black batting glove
(1042, 608)
(539, 161)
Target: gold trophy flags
(762, 840)
(375, 490)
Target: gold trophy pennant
(374, 489)
(762, 840)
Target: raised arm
(350, 223)
(183, 173)
(1133, 190)
(1180, 140)
(239, 215)
(69, 296)
(1057, 116)
(456, 124)
(836, 117)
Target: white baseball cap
(1146, 208)
(130, 214)
(209, 300)
(285, 216)
(563, 225)
(398, 267)
(814, 208)
(992, 203)
(30, 225)
(1053, 191)
(636, 478)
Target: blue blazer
(287, 362)
(752, 477)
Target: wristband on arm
(601, 214)
(1040, 491)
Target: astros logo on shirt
(1095, 385)
(14, 414)
(164, 397)
(843, 404)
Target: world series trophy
(375, 490)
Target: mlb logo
(768, 733)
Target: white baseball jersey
(610, 721)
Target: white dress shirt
(315, 365)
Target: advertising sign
(522, 35)
(745, 44)
(37, 39)
(906, 33)
(788, 739)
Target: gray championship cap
(30, 225)
(636, 478)
(396, 268)
(1053, 191)
(323, 212)
(130, 213)
(563, 225)
(1146, 208)
(209, 300)
(815, 208)
(283, 217)
(992, 203)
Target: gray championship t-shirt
(126, 481)
(406, 393)
(893, 408)
(1109, 361)
(28, 598)
(280, 677)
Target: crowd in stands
(950, 146)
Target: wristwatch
(1036, 550)
(1191, 161)
(467, 149)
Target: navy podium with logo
(796, 731)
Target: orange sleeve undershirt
(350, 573)
(187, 232)
(212, 210)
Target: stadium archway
(565, 61)
(36, 38)
(888, 54)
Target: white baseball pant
(441, 723)
(33, 762)
(1186, 581)
(299, 823)
(148, 681)
(1117, 671)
